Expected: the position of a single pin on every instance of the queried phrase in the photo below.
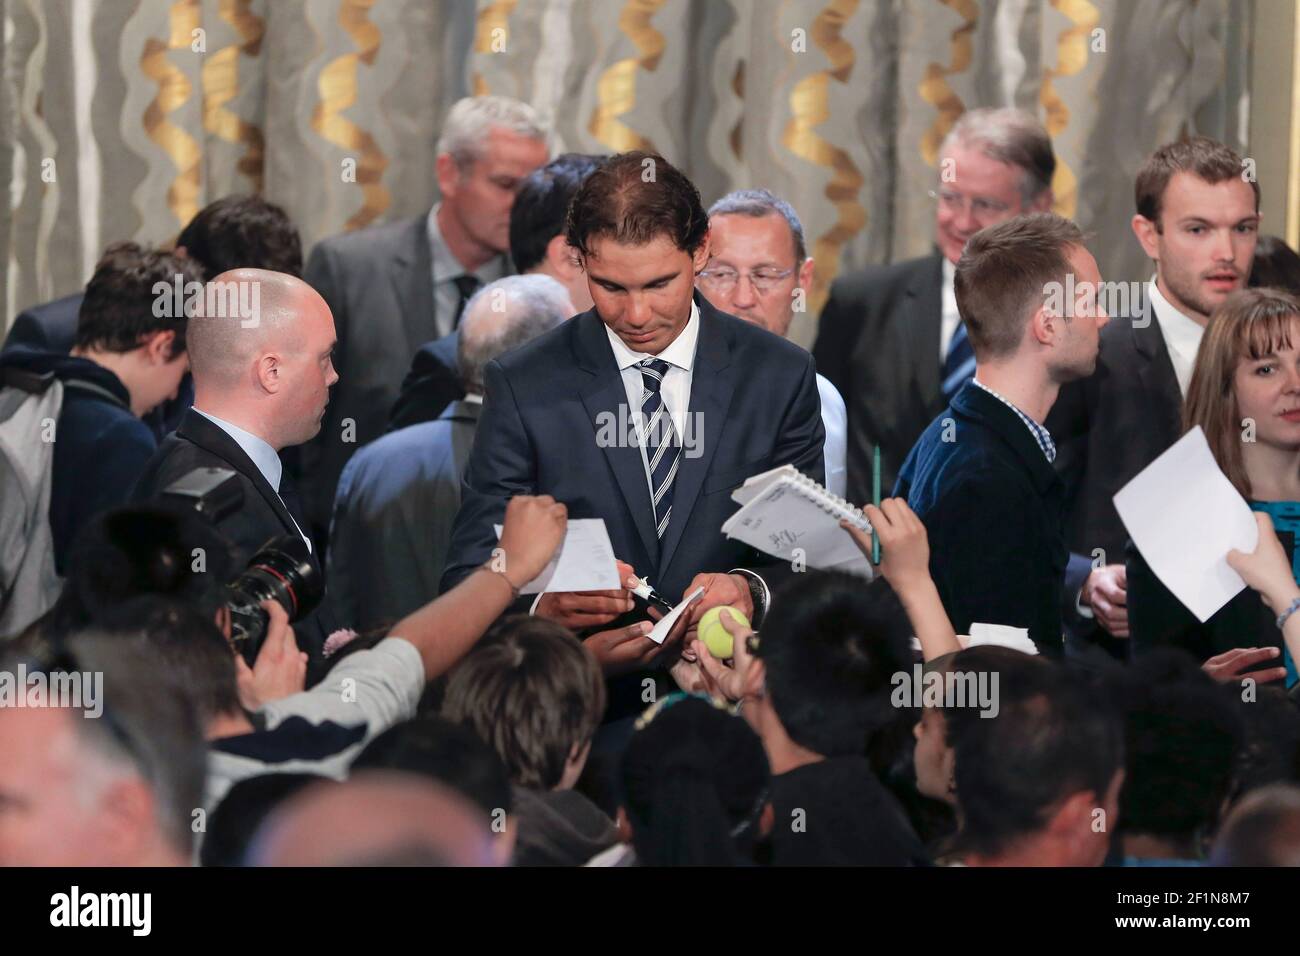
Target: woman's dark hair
(634, 198)
(1276, 266)
(694, 785)
(242, 232)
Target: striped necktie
(959, 367)
(663, 450)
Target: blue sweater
(100, 447)
(993, 508)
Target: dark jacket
(559, 828)
(835, 812)
(431, 385)
(992, 505)
(264, 514)
(100, 446)
(878, 343)
(52, 327)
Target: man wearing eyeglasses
(890, 338)
(758, 271)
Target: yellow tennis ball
(715, 636)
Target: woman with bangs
(1245, 396)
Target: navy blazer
(546, 402)
(431, 385)
(992, 505)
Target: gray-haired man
(890, 338)
(396, 286)
(397, 497)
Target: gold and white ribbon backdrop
(121, 118)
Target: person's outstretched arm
(905, 564)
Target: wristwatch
(759, 595)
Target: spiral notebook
(785, 513)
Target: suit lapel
(603, 396)
(208, 436)
(412, 276)
(1156, 368)
(712, 385)
(924, 317)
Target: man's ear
(269, 372)
(158, 347)
(1045, 326)
(448, 174)
(805, 275)
(1042, 202)
(130, 814)
(562, 257)
(1147, 236)
(700, 257)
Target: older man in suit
(890, 337)
(981, 476)
(399, 495)
(261, 384)
(711, 400)
(394, 287)
(1197, 219)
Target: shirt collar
(259, 452)
(680, 354)
(445, 264)
(1179, 326)
(1041, 434)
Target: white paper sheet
(1184, 516)
(585, 561)
(665, 623)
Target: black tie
(466, 286)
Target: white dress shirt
(266, 458)
(447, 268)
(1181, 333)
(675, 388)
(950, 318)
(835, 421)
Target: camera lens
(282, 572)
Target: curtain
(121, 118)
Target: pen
(644, 591)
(875, 500)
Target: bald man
(260, 346)
(378, 818)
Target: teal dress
(1286, 519)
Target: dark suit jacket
(378, 282)
(1111, 425)
(431, 385)
(50, 326)
(757, 403)
(198, 443)
(393, 516)
(878, 343)
(992, 505)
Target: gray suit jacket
(393, 515)
(379, 285)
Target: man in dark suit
(394, 287)
(890, 337)
(399, 495)
(537, 246)
(981, 476)
(646, 411)
(1197, 219)
(261, 380)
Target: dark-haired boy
(126, 360)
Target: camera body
(280, 571)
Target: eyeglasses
(984, 211)
(723, 280)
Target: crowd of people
(268, 530)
